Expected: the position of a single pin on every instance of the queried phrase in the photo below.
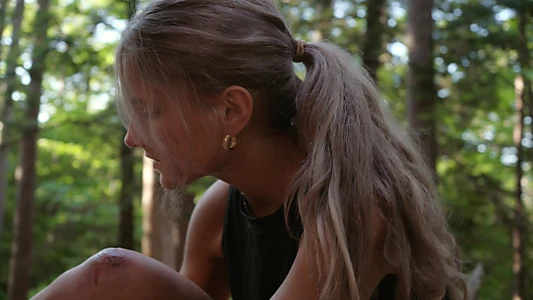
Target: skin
(261, 166)
(116, 274)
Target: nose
(131, 139)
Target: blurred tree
(421, 88)
(477, 66)
(376, 19)
(157, 229)
(19, 281)
(476, 63)
(522, 91)
(127, 189)
(3, 9)
(126, 197)
(8, 86)
(182, 224)
(323, 15)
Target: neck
(262, 171)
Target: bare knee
(116, 273)
(112, 257)
(142, 276)
(112, 268)
(105, 274)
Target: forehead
(141, 92)
(141, 89)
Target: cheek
(208, 151)
(199, 143)
(182, 147)
(206, 146)
(170, 144)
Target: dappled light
(469, 104)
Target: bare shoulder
(116, 273)
(212, 204)
(203, 261)
(207, 220)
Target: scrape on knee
(106, 266)
(111, 256)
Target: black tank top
(259, 252)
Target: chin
(176, 182)
(169, 185)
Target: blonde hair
(357, 157)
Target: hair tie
(300, 50)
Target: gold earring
(230, 142)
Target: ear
(238, 105)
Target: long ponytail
(357, 159)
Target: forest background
(458, 73)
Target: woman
(321, 195)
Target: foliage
(78, 158)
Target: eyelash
(144, 111)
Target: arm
(203, 261)
(300, 283)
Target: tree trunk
(324, 11)
(6, 137)
(126, 224)
(163, 236)
(525, 63)
(127, 166)
(376, 19)
(22, 227)
(519, 224)
(157, 241)
(181, 229)
(421, 98)
(3, 9)
(518, 235)
(529, 89)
